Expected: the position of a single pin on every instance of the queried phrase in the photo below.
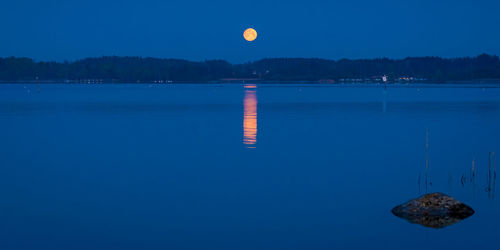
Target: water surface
(201, 166)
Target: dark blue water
(235, 167)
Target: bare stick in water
(494, 176)
(473, 169)
(494, 167)
(473, 176)
(489, 175)
(426, 158)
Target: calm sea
(201, 166)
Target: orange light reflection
(250, 116)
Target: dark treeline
(137, 69)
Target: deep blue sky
(199, 30)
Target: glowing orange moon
(250, 34)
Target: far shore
(254, 81)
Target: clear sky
(199, 30)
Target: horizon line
(250, 61)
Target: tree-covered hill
(138, 69)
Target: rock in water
(434, 210)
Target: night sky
(199, 30)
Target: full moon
(250, 34)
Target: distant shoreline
(468, 82)
(483, 68)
